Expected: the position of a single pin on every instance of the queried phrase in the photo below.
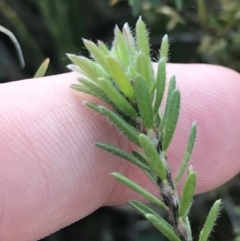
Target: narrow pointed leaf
(163, 227)
(115, 53)
(171, 88)
(142, 66)
(129, 39)
(140, 157)
(98, 91)
(164, 48)
(74, 68)
(120, 77)
(116, 97)
(152, 176)
(130, 132)
(151, 72)
(188, 152)
(42, 69)
(142, 209)
(144, 101)
(97, 53)
(171, 118)
(83, 89)
(125, 58)
(160, 84)
(187, 193)
(189, 229)
(142, 37)
(138, 189)
(153, 157)
(118, 152)
(103, 47)
(210, 221)
(87, 67)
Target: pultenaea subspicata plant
(123, 77)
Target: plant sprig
(123, 77)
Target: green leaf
(103, 47)
(120, 77)
(153, 157)
(116, 97)
(164, 48)
(94, 88)
(118, 152)
(160, 84)
(97, 53)
(140, 157)
(129, 39)
(188, 152)
(142, 38)
(189, 229)
(210, 221)
(87, 67)
(150, 174)
(138, 189)
(122, 47)
(83, 89)
(144, 101)
(42, 69)
(171, 119)
(130, 132)
(163, 227)
(187, 193)
(142, 67)
(142, 209)
(171, 88)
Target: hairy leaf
(103, 47)
(142, 37)
(210, 221)
(118, 152)
(116, 97)
(144, 101)
(164, 48)
(130, 132)
(187, 193)
(122, 46)
(87, 67)
(163, 227)
(142, 209)
(97, 53)
(188, 152)
(160, 84)
(171, 118)
(153, 157)
(129, 39)
(120, 77)
(138, 189)
(98, 91)
(142, 66)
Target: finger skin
(52, 174)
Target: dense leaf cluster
(123, 77)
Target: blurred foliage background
(200, 31)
